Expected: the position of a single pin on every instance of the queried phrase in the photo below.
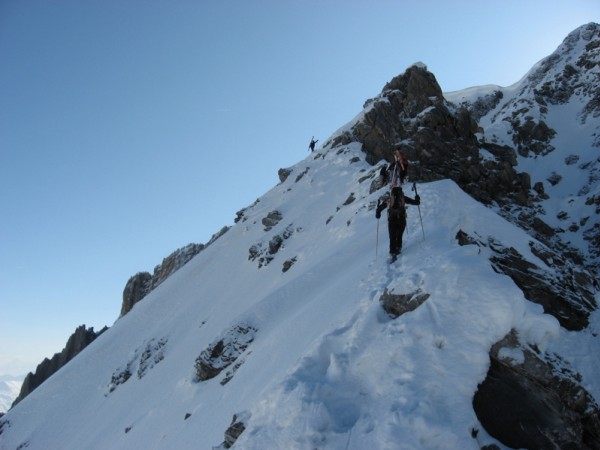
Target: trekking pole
(377, 240)
(414, 188)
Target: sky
(129, 129)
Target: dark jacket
(396, 210)
(396, 203)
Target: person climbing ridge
(395, 202)
(398, 169)
(312, 144)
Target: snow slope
(324, 366)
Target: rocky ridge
(136, 288)
(536, 118)
(484, 144)
(79, 340)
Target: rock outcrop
(397, 304)
(142, 283)
(80, 339)
(224, 352)
(137, 287)
(563, 290)
(531, 399)
(438, 139)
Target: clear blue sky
(131, 128)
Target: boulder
(397, 304)
(533, 400)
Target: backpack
(396, 204)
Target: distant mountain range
(9, 389)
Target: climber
(395, 202)
(312, 144)
(398, 168)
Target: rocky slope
(495, 142)
(551, 120)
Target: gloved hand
(418, 199)
(377, 214)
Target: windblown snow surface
(323, 366)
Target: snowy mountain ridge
(327, 367)
(552, 119)
(280, 324)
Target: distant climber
(395, 202)
(398, 169)
(312, 144)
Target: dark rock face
(79, 340)
(137, 287)
(535, 402)
(438, 140)
(570, 304)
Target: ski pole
(414, 188)
(377, 240)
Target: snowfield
(317, 362)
